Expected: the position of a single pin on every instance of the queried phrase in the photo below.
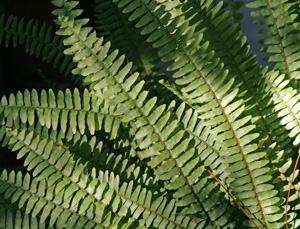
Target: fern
(37, 41)
(283, 34)
(206, 145)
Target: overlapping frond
(115, 27)
(121, 154)
(10, 218)
(233, 50)
(205, 85)
(55, 203)
(53, 165)
(72, 196)
(235, 6)
(283, 34)
(95, 155)
(120, 31)
(62, 110)
(38, 41)
(231, 47)
(149, 120)
(286, 100)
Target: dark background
(20, 71)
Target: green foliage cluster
(216, 146)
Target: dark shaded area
(19, 70)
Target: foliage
(212, 142)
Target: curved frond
(156, 122)
(205, 83)
(55, 202)
(211, 143)
(83, 196)
(91, 190)
(120, 31)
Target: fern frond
(149, 120)
(283, 32)
(120, 31)
(233, 50)
(284, 178)
(94, 154)
(62, 110)
(88, 149)
(37, 41)
(235, 7)
(202, 78)
(115, 26)
(286, 101)
(12, 217)
(210, 148)
(55, 165)
(56, 203)
(16, 219)
(140, 201)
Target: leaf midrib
(280, 41)
(146, 119)
(44, 198)
(219, 104)
(63, 175)
(57, 108)
(236, 65)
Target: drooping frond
(95, 192)
(62, 110)
(234, 53)
(76, 194)
(38, 41)
(149, 120)
(231, 47)
(210, 148)
(120, 31)
(206, 85)
(55, 202)
(283, 34)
